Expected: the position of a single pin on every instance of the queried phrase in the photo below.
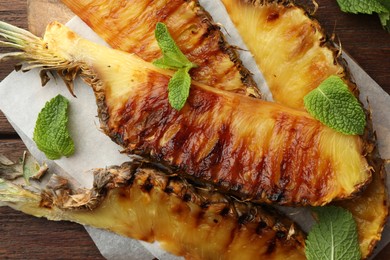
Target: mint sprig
(334, 236)
(381, 7)
(174, 59)
(51, 134)
(335, 106)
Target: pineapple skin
(129, 26)
(304, 57)
(252, 148)
(142, 201)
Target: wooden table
(23, 237)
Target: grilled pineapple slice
(129, 26)
(289, 48)
(256, 149)
(142, 201)
(294, 55)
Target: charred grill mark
(273, 16)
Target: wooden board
(42, 12)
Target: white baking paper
(22, 97)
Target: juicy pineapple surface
(295, 56)
(129, 26)
(142, 201)
(250, 147)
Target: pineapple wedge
(295, 56)
(248, 147)
(129, 26)
(140, 200)
(289, 48)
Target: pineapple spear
(245, 146)
(142, 201)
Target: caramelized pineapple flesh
(141, 201)
(248, 147)
(295, 56)
(129, 26)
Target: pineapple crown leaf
(174, 59)
(335, 106)
(33, 49)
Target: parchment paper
(22, 97)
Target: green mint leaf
(381, 7)
(335, 106)
(334, 236)
(167, 63)
(179, 88)
(385, 20)
(359, 6)
(385, 17)
(51, 134)
(172, 56)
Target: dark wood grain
(22, 236)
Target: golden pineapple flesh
(295, 56)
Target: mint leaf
(359, 6)
(51, 134)
(172, 56)
(179, 88)
(385, 17)
(334, 236)
(174, 59)
(168, 63)
(335, 106)
(381, 7)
